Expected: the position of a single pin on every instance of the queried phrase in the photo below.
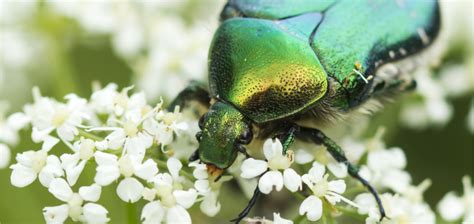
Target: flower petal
(451, 207)
(252, 168)
(312, 206)
(174, 166)
(292, 180)
(130, 190)
(4, 156)
(106, 175)
(272, 148)
(90, 193)
(317, 171)
(49, 143)
(338, 186)
(94, 213)
(210, 206)
(152, 213)
(60, 189)
(270, 179)
(386, 159)
(22, 176)
(185, 198)
(338, 169)
(56, 214)
(51, 170)
(147, 170)
(277, 219)
(302, 157)
(178, 214)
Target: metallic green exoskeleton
(273, 63)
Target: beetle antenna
(247, 209)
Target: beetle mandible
(276, 64)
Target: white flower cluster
(128, 143)
(124, 138)
(152, 37)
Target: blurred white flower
(110, 168)
(9, 128)
(276, 161)
(433, 109)
(75, 207)
(33, 164)
(177, 54)
(453, 208)
(385, 169)
(322, 156)
(318, 183)
(398, 209)
(470, 118)
(4, 155)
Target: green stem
(90, 135)
(351, 212)
(131, 213)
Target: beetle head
(224, 131)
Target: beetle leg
(194, 156)
(195, 91)
(337, 153)
(247, 209)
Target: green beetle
(276, 63)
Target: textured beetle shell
(264, 70)
(350, 41)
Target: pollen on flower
(60, 117)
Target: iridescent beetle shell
(272, 59)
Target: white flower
(433, 110)
(172, 202)
(277, 219)
(317, 181)
(48, 115)
(130, 135)
(75, 207)
(110, 168)
(398, 209)
(208, 188)
(32, 164)
(73, 164)
(324, 157)
(276, 161)
(104, 100)
(452, 207)
(165, 125)
(385, 169)
(4, 156)
(9, 128)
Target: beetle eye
(199, 136)
(246, 137)
(201, 122)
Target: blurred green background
(66, 56)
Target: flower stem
(351, 212)
(89, 135)
(132, 213)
